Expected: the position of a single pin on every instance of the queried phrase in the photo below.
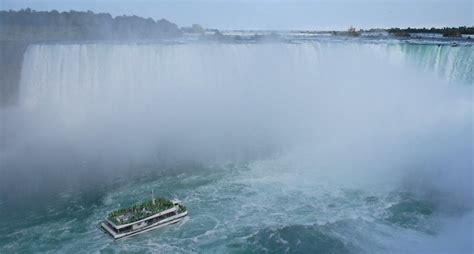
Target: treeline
(31, 25)
(445, 31)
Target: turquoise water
(232, 209)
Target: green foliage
(181, 208)
(452, 33)
(30, 25)
(445, 31)
(141, 211)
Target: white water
(225, 102)
(454, 64)
(221, 101)
(304, 115)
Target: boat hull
(116, 236)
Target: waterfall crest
(125, 72)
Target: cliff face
(18, 29)
(11, 58)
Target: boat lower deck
(120, 235)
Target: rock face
(18, 29)
(11, 58)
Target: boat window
(126, 229)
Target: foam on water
(239, 210)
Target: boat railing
(144, 219)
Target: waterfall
(212, 95)
(140, 72)
(240, 101)
(454, 64)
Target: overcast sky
(276, 14)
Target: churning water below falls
(313, 147)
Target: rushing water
(319, 147)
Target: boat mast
(152, 197)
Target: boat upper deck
(126, 217)
(120, 226)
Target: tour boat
(144, 217)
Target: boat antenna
(152, 197)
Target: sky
(276, 14)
